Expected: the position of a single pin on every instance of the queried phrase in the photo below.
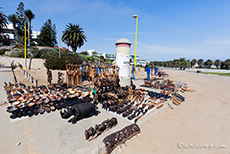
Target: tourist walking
(155, 70)
(148, 70)
(133, 72)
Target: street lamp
(135, 16)
(25, 40)
(100, 51)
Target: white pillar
(122, 60)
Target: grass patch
(222, 74)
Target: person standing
(148, 70)
(97, 70)
(155, 70)
(133, 72)
(82, 69)
(49, 74)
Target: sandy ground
(201, 122)
(199, 125)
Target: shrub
(73, 58)
(47, 53)
(34, 52)
(84, 53)
(55, 63)
(82, 57)
(2, 51)
(19, 54)
(92, 59)
(60, 63)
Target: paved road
(5, 75)
(48, 133)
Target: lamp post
(100, 51)
(135, 16)
(25, 40)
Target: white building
(142, 62)
(105, 55)
(139, 61)
(35, 34)
(110, 56)
(90, 52)
(8, 35)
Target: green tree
(21, 17)
(193, 62)
(170, 63)
(14, 19)
(47, 36)
(94, 54)
(188, 64)
(3, 20)
(217, 63)
(84, 53)
(165, 63)
(227, 64)
(200, 62)
(150, 63)
(205, 64)
(102, 58)
(209, 63)
(175, 63)
(30, 15)
(222, 65)
(160, 63)
(74, 36)
(182, 63)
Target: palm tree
(209, 63)
(193, 62)
(182, 63)
(200, 61)
(175, 62)
(30, 15)
(188, 63)
(205, 64)
(14, 19)
(170, 63)
(217, 63)
(3, 20)
(227, 63)
(74, 36)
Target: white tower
(122, 60)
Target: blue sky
(167, 29)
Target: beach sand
(199, 125)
